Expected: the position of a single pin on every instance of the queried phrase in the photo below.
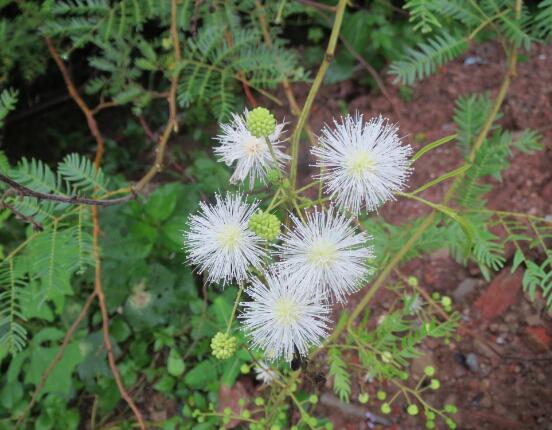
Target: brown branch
(98, 291)
(74, 200)
(57, 358)
(92, 125)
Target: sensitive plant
(262, 290)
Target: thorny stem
(340, 11)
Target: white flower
(251, 155)
(326, 253)
(364, 162)
(218, 240)
(283, 317)
(264, 373)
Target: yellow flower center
(253, 146)
(286, 311)
(230, 235)
(360, 163)
(322, 252)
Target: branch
(98, 291)
(74, 200)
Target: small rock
(539, 338)
(472, 362)
(503, 292)
(465, 288)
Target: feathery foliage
(424, 60)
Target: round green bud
(429, 371)
(386, 408)
(446, 301)
(246, 414)
(200, 419)
(435, 384)
(430, 424)
(450, 423)
(312, 421)
(227, 411)
(293, 387)
(265, 225)
(260, 122)
(435, 295)
(259, 401)
(430, 415)
(451, 409)
(363, 398)
(226, 420)
(403, 376)
(329, 426)
(412, 410)
(412, 281)
(313, 399)
(241, 402)
(273, 175)
(275, 427)
(381, 395)
(244, 369)
(223, 345)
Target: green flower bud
(446, 301)
(273, 176)
(450, 423)
(363, 398)
(430, 424)
(313, 399)
(451, 409)
(435, 384)
(260, 122)
(265, 225)
(429, 371)
(412, 410)
(223, 345)
(412, 281)
(386, 408)
(381, 395)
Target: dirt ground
(511, 389)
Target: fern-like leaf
(8, 100)
(81, 174)
(422, 15)
(423, 61)
(470, 114)
(341, 377)
(543, 20)
(12, 333)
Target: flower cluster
(292, 277)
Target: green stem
(432, 145)
(442, 178)
(236, 302)
(340, 11)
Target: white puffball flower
(219, 241)
(264, 374)
(283, 317)
(364, 163)
(327, 253)
(250, 155)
